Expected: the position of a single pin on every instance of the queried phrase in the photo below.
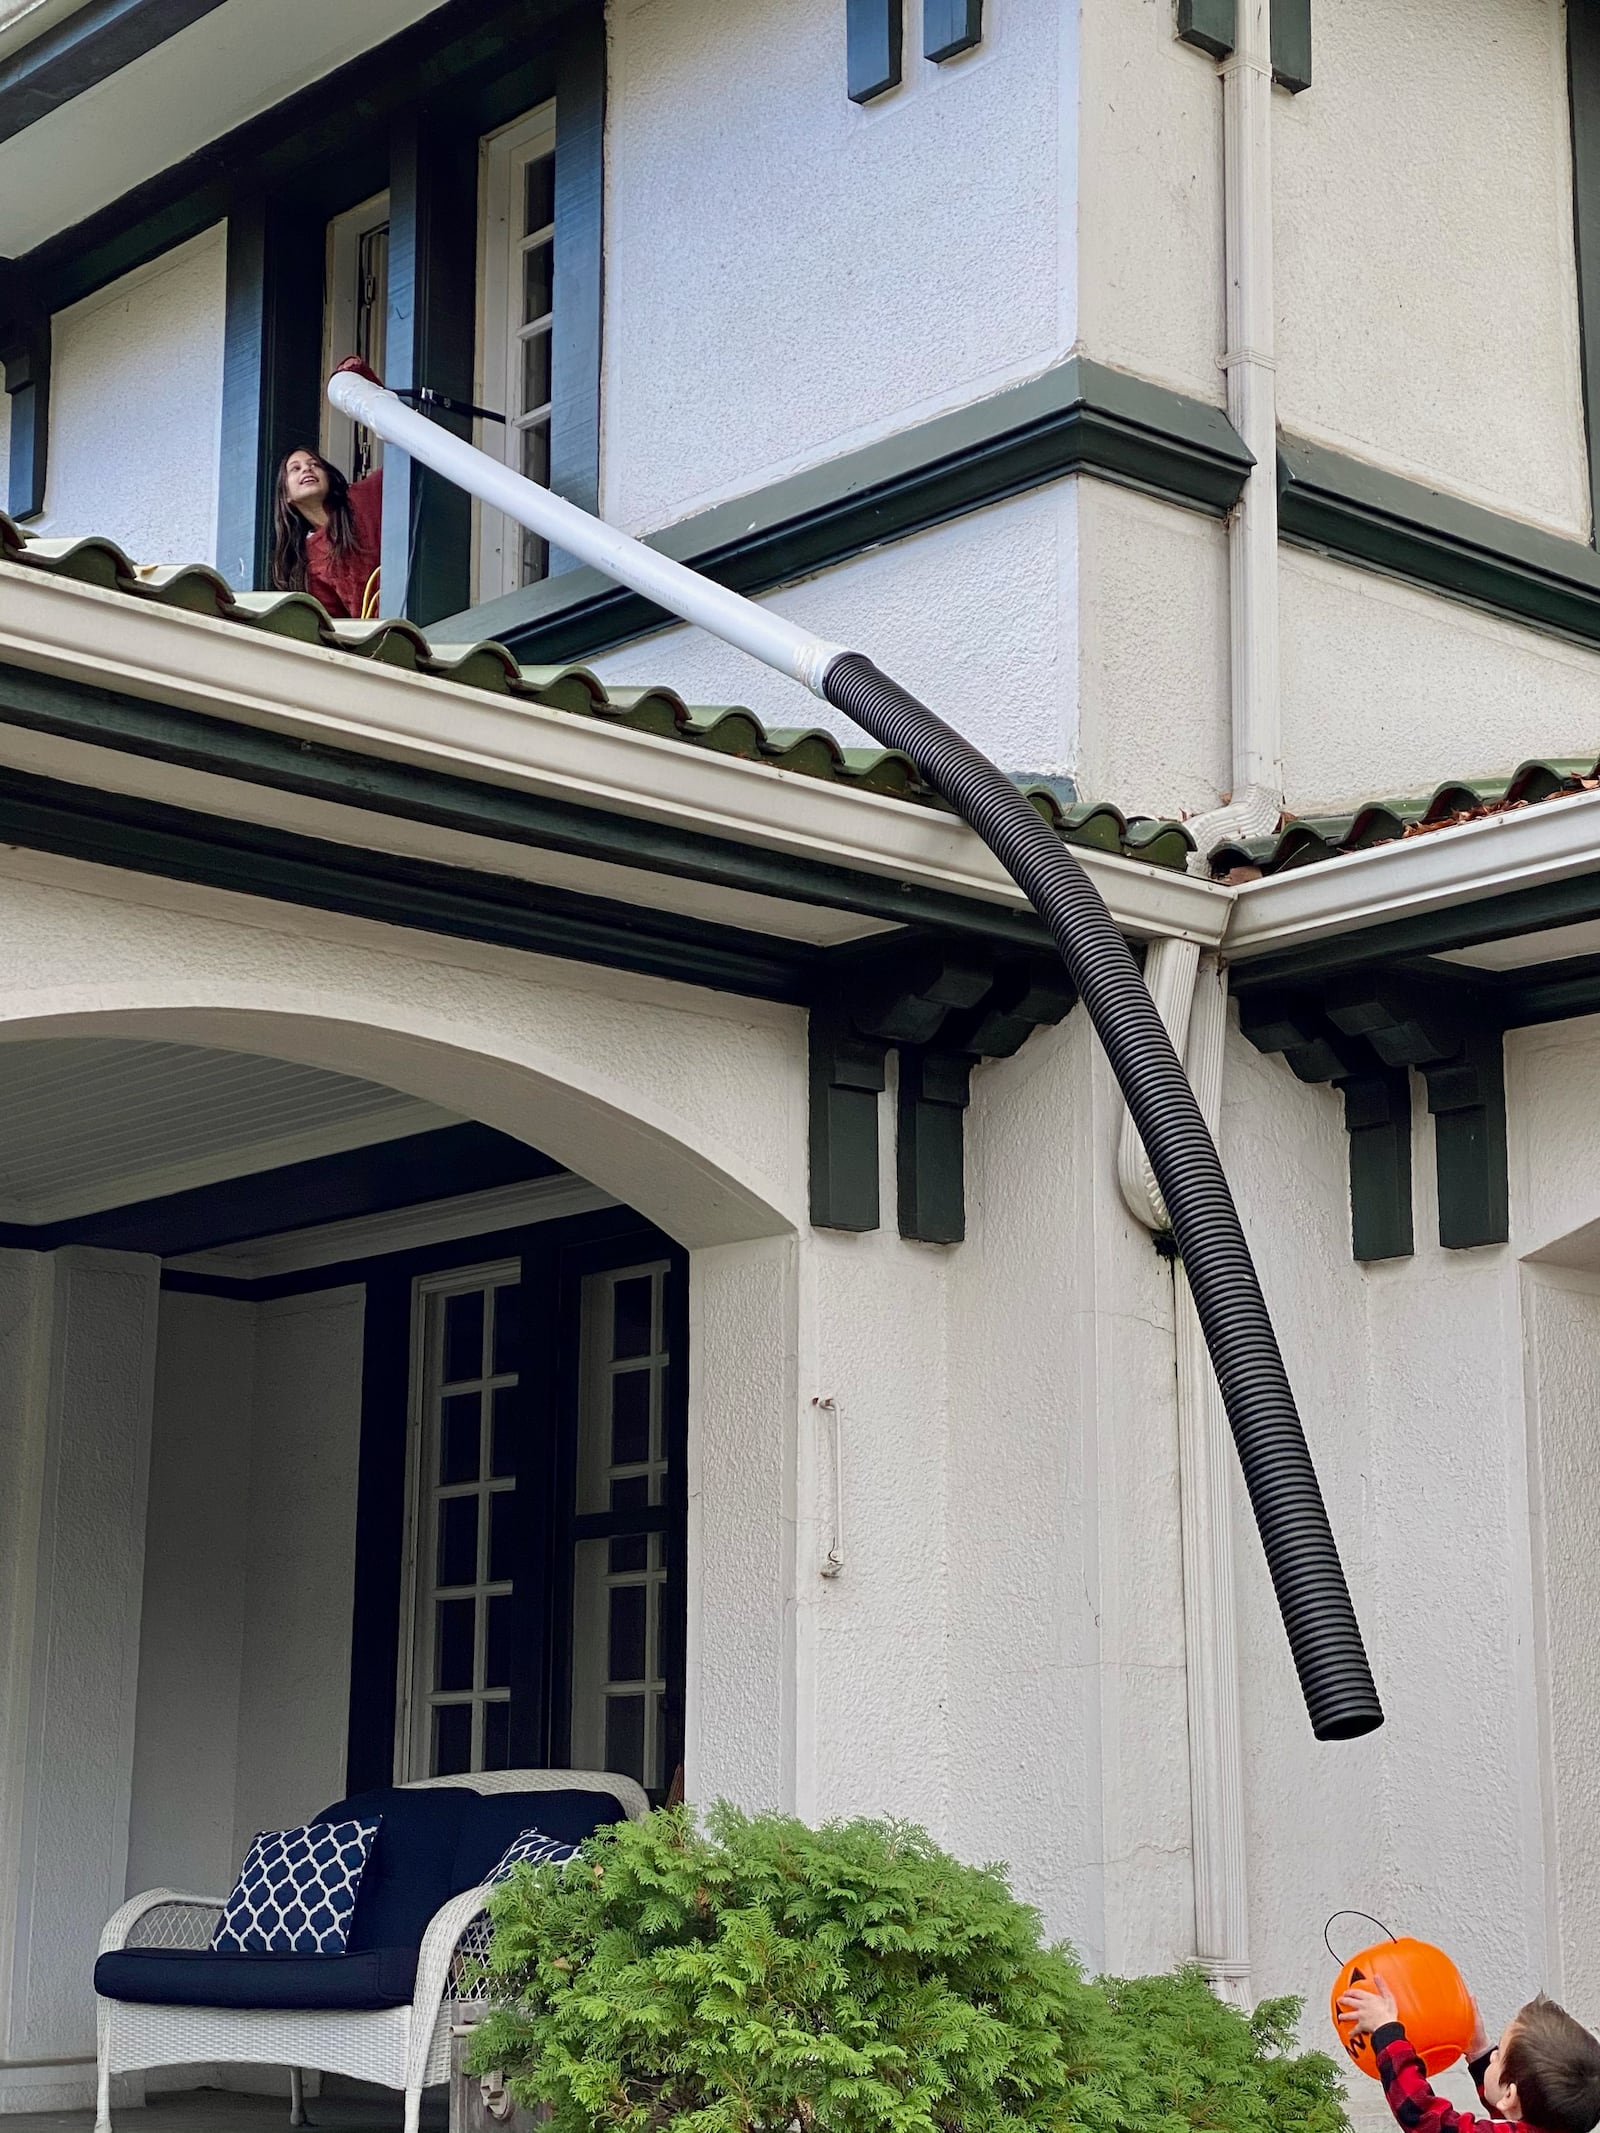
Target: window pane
(627, 1655)
(502, 1536)
(629, 1552)
(452, 1739)
(625, 1735)
(535, 372)
(631, 1495)
(458, 1540)
(630, 1417)
(536, 457)
(497, 1736)
(632, 1317)
(507, 1329)
(538, 285)
(539, 194)
(503, 1455)
(463, 1337)
(458, 1437)
(455, 1622)
(497, 1644)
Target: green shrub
(755, 1975)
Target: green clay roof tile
(1303, 840)
(723, 729)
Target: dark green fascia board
(169, 733)
(1357, 513)
(178, 844)
(93, 43)
(1079, 417)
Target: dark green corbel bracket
(1363, 1034)
(944, 1009)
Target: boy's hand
(1370, 2006)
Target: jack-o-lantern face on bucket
(1430, 1999)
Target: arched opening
(349, 1340)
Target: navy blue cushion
(494, 1819)
(185, 1977)
(410, 1867)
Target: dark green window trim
(874, 33)
(950, 27)
(1213, 26)
(433, 261)
(1079, 417)
(1583, 89)
(92, 44)
(25, 372)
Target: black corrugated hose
(1335, 1679)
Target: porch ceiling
(93, 1123)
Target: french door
(541, 1589)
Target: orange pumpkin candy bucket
(1430, 1997)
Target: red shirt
(1409, 2096)
(340, 581)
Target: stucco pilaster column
(77, 1368)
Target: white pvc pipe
(728, 615)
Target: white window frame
(503, 158)
(339, 307)
(415, 1695)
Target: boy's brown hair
(1555, 2064)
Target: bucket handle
(1371, 1921)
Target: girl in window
(328, 532)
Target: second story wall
(136, 403)
(790, 274)
(1426, 288)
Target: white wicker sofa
(156, 1943)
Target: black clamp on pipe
(1335, 1678)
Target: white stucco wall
(1150, 201)
(77, 1346)
(1387, 689)
(136, 408)
(1427, 302)
(853, 269)
(979, 616)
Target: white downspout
(1250, 362)
(1190, 992)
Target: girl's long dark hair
(290, 530)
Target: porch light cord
(1302, 1557)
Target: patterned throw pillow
(296, 1890)
(538, 1850)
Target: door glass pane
(458, 1437)
(459, 1630)
(622, 1390)
(617, 1682)
(497, 1736)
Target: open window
(355, 315)
(517, 241)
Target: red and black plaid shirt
(1410, 2098)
